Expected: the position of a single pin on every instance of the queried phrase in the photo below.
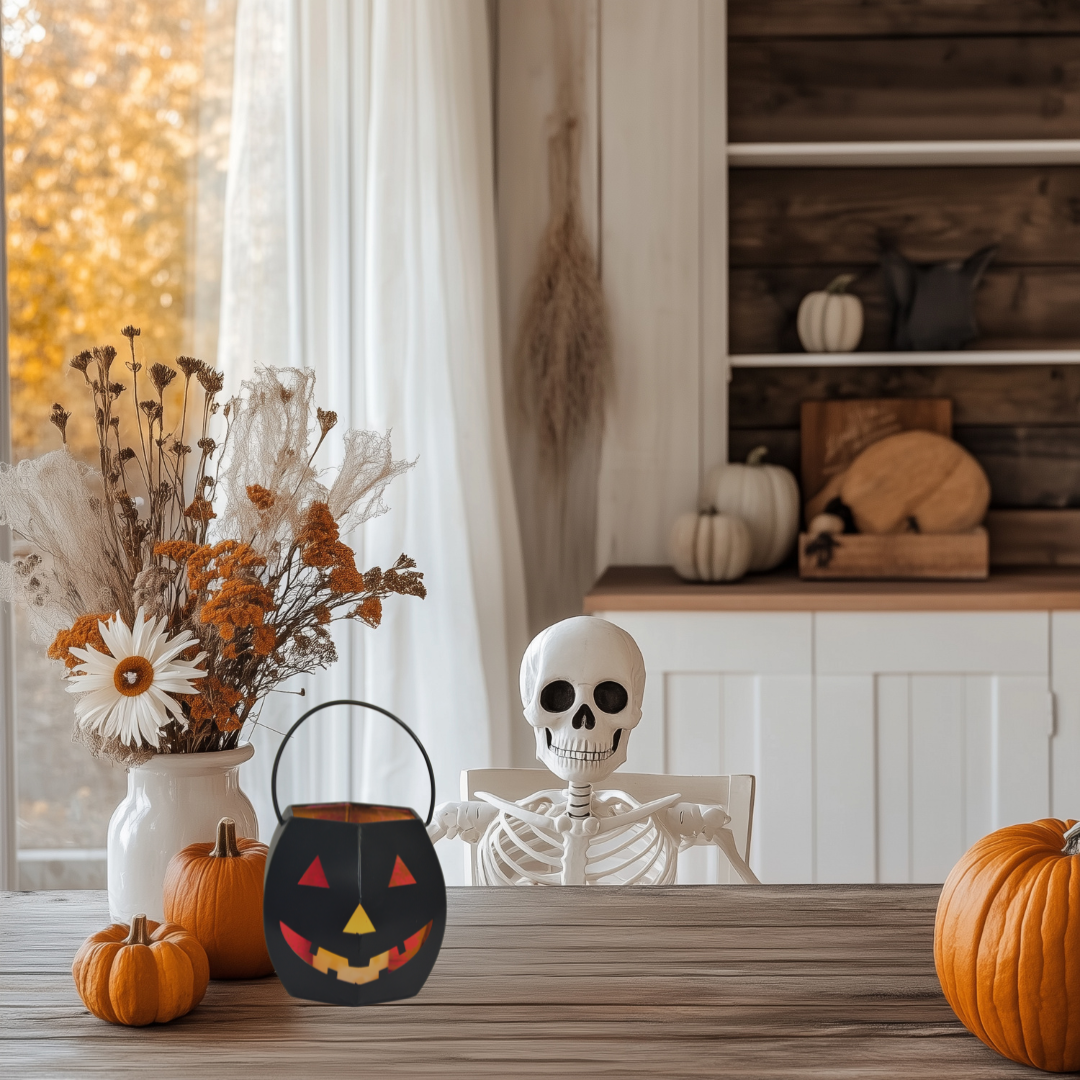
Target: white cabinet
(884, 743)
(930, 730)
(732, 692)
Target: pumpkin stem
(1072, 841)
(225, 846)
(139, 935)
(757, 455)
(839, 284)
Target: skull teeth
(581, 755)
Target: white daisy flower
(129, 694)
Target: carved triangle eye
(314, 875)
(401, 875)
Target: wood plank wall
(926, 69)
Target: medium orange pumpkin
(1007, 942)
(215, 891)
(146, 973)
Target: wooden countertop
(780, 981)
(658, 588)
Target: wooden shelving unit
(870, 359)
(974, 112)
(904, 154)
(935, 127)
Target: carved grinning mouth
(583, 755)
(326, 961)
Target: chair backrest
(735, 793)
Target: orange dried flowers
(369, 611)
(201, 509)
(84, 634)
(217, 702)
(260, 496)
(318, 540)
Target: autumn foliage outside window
(116, 127)
(110, 124)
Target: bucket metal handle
(366, 705)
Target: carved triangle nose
(584, 715)
(359, 923)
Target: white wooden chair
(734, 793)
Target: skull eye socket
(610, 697)
(557, 696)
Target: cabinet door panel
(1021, 750)
(893, 778)
(1065, 680)
(845, 774)
(978, 758)
(693, 723)
(783, 835)
(758, 724)
(936, 772)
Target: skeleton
(582, 683)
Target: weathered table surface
(692, 981)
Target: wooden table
(692, 981)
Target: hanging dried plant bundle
(176, 609)
(563, 354)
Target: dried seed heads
(189, 365)
(60, 416)
(81, 362)
(161, 375)
(212, 381)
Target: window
(116, 126)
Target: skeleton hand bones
(696, 823)
(469, 820)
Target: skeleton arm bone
(469, 820)
(640, 813)
(695, 823)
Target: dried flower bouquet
(177, 598)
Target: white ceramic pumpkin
(709, 546)
(766, 497)
(832, 320)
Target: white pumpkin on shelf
(831, 321)
(708, 546)
(766, 497)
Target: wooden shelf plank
(905, 153)
(658, 588)
(892, 359)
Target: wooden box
(944, 556)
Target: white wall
(654, 184)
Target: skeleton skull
(582, 682)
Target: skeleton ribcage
(513, 852)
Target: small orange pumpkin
(215, 891)
(146, 973)
(1007, 942)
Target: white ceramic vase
(172, 800)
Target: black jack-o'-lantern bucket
(354, 902)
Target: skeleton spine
(579, 800)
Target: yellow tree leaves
(101, 118)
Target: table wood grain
(686, 981)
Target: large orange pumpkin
(142, 974)
(1007, 942)
(216, 892)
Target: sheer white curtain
(360, 242)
